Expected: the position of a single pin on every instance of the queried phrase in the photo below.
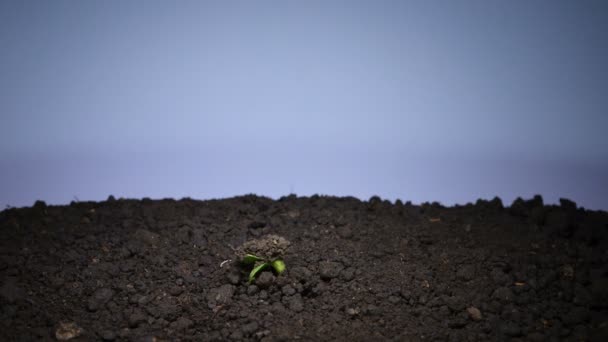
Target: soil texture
(171, 270)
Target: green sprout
(261, 264)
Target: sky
(444, 101)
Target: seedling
(263, 253)
(261, 264)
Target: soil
(154, 270)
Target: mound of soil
(356, 270)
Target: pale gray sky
(418, 100)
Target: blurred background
(444, 101)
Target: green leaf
(278, 265)
(250, 259)
(257, 270)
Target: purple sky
(443, 101)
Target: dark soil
(356, 270)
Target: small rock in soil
(99, 299)
(352, 311)
(329, 269)
(67, 331)
(474, 313)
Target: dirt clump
(268, 247)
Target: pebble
(67, 331)
(352, 311)
(474, 313)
